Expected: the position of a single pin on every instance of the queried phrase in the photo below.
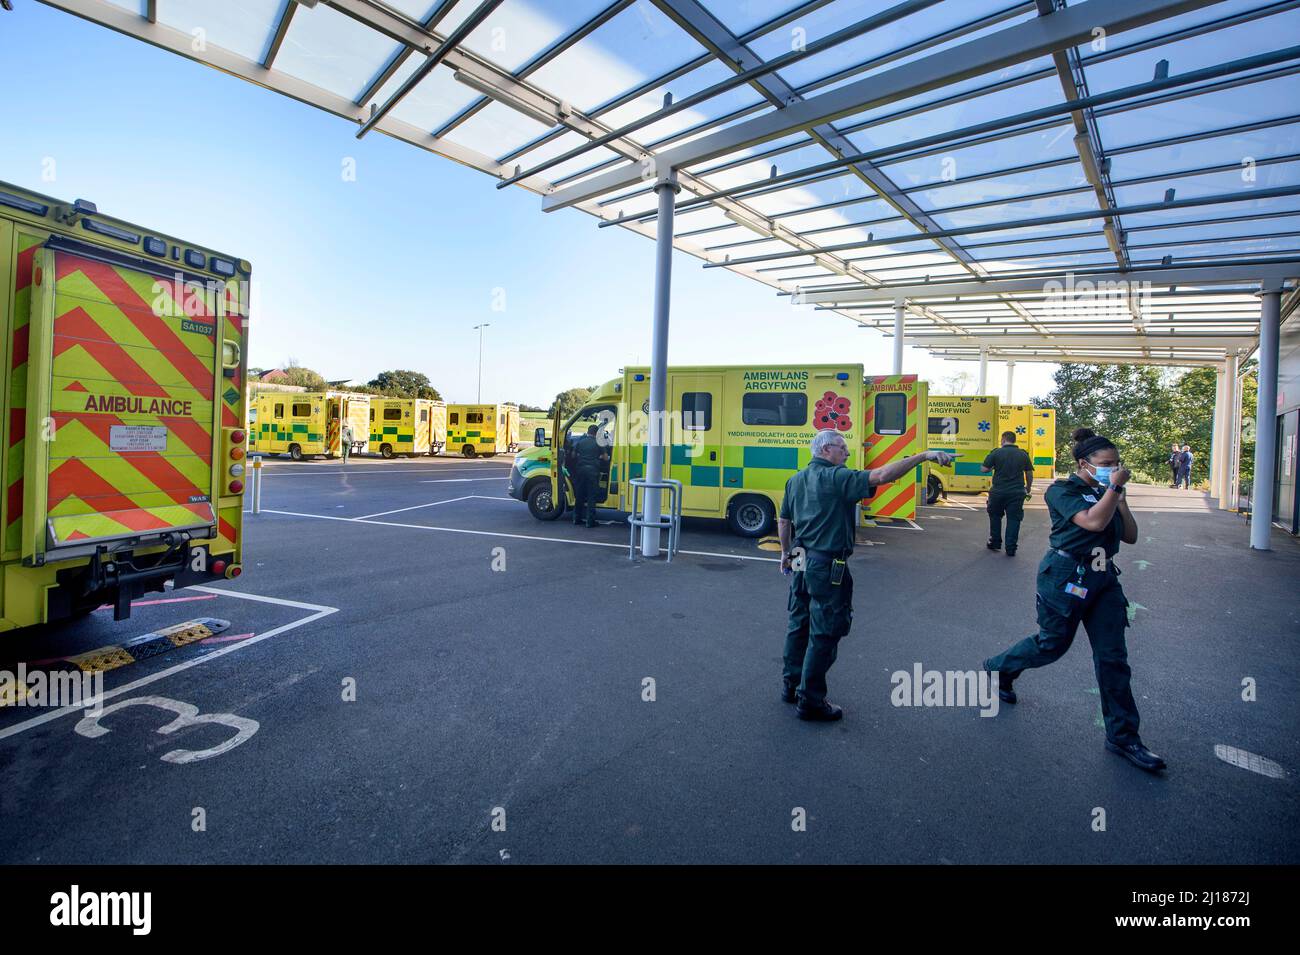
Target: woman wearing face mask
(1078, 582)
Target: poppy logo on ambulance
(832, 412)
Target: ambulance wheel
(468, 451)
(540, 503)
(295, 452)
(750, 516)
(386, 450)
(932, 490)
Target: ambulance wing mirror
(539, 439)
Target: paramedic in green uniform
(1078, 582)
(816, 530)
(587, 456)
(345, 441)
(1013, 479)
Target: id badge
(837, 572)
(1074, 590)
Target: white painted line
(1250, 761)
(529, 537)
(413, 507)
(456, 480)
(321, 611)
(484, 497)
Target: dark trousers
(586, 487)
(820, 614)
(1183, 478)
(1104, 614)
(1011, 504)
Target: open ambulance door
(892, 415)
(559, 481)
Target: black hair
(1088, 442)
(1009, 436)
(592, 429)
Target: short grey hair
(823, 440)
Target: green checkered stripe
(391, 434)
(272, 432)
(1044, 459)
(741, 466)
(475, 437)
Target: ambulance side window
(392, 414)
(891, 413)
(424, 414)
(453, 418)
(279, 411)
(780, 410)
(372, 414)
(302, 410)
(473, 417)
(946, 425)
(697, 411)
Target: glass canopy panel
(958, 193)
(1265, 143)
(497, 129)
(1060, 246)
(436, 98)
(1218, 230)
(998, 154)
(1269, 176)
(561, 144)
(746, 15)
(1016, 210)
(634, 47)
(243, 27)
(333, 51)
(1011, 263)
(1184, 216)
(515, 32)
(842, 190)
(652, 101)
(1268, 99)
(1282, 243)
(881, 43)
(416, 9)
(1192, 53)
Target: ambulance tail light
(236, 487)
(237, 437)
(236, 453)
(219, 567)
(233, 571)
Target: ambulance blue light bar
(222, 266)
(90, 225)
(26, 205)
(842, 376)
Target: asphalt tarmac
(415, 670)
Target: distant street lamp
(480, 360)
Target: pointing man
(816, 530)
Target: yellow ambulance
(1042, 443)
(969, 427)
(408, 426)
(474, 430)
(303, 424)
(734, 436)
(124, 418)
(1017, 419)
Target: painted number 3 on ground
(186, 715)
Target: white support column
(984, 370)
(1226, 436)
(1011, 374)
(666, 189)
(898, 336)
(1261, 499)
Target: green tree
(567, 402)
(1193, 417)
(534, 408)
(296, 374)
(403, 384)
(1130, 404)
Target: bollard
(257, 483)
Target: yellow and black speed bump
(147, 645)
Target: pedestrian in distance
(816, 528)
(1175, 459)
(1186, 474)
(587, 458)
(1013, 482)
(1078, 582)
(345, 441)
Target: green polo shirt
(820, 502)
(1067, 497)
(1008, 464)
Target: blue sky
(394, 269)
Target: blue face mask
(1102, 474)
